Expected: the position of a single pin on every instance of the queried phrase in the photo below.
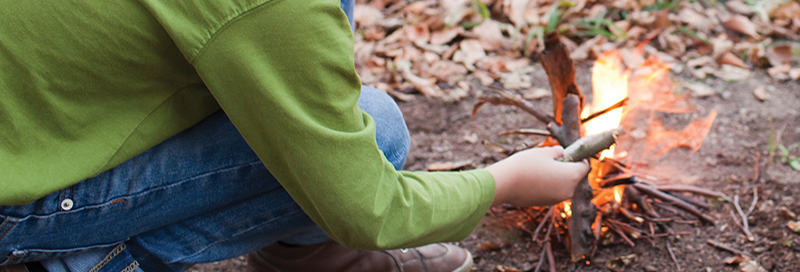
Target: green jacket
(87, 84)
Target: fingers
(553, 152)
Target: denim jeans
(201, 196)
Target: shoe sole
(467, 265)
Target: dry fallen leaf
(502, 268)
(740, 7)
(794, 73)
(470, 51)
(721, 45)
(536, 93)
(425, 86)
(489, 35)
(445, 35)
(366, 16)
(515, 80)
(742, 24)
(751, 266)
(736, 259)
(448, 166)
(779, 54)
(483, 77)
(732, 73)
(701, 61)
(731, 59)
(787, 11)
(699, 89)
(761, 93)
(780, 72)
(419, 33)
(582, 51)
(693, 18)
(794, 226)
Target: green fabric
(93, 83)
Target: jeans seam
(7, 230)
(111, 201)
(234, 236)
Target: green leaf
(795, 164)
(483, 10)
(784, 150)
(555, 15)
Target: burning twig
(728, 248)
(634, 194)
(628, 214)
(673, 200)
(745, 224)
(617, 105)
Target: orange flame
(618, 193)
(610, 84)
(567, 211)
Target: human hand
(534, 177)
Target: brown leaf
(738, 258)
(701, 72)
(740, 7)
(751, 266)
(794, 73)
(419, 33)
(693, 18)
(470, 51)
(731, 59)
(780, 72)
(794, 226)
(622, 26)
(515, 10)
(483, 77)
(743, 25)
(721, 46)
(761, 93)
(699, 89)
(425, 86)
(780, 54)
(489, 35)
(732, 73)
(535, 93)
(366, 16)
(787, 11)
(515, 80)
(582, 51)
(416, 7)
(445, 35)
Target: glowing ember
(567, 211)
(610, 84)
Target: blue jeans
(201, 196)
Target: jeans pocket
(25, 255)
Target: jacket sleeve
(284, 74)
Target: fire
(567, 211)
(618, 193)
(610, 84)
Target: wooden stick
(755, 200)
(691, 200)
(544, 220)
(674, 201)
(690, 189)
(634, 194)
(629, 215)
(587, 147)
(672, 254)
(506, 98)
(745, 224)
(604, 111)
(528, 131)
(550, 258)
(728, 248)
(619, 232)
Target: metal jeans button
(66, 204)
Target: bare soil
(446, 132)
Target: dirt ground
(446, 132)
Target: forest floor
(446, 132)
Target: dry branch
(617, 105)
(506, 98)
(588, 146)
(649, 190)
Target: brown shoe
(334, 257)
